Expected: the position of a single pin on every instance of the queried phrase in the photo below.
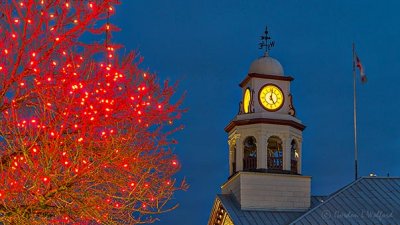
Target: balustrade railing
(250, 163)
(275, 163)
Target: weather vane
(266, 41)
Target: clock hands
(272, 98)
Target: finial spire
(266, 42)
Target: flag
(361, 68)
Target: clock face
(246, 101)
(271, 97)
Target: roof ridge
(327, 200)
(380, 177)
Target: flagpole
(355, 117)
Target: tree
(85, 134)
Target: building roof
(316, 200)
(255, 217)
(369, 200)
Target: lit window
(250, 154)
(275, 153)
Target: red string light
(78, 128)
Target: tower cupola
(266, 65)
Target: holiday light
(79, 132)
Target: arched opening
(249, 154)
(275, 153)
(294, 156)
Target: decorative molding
(292, 110)
(291, 123)
(232, 139)
(240, 108)
(264, 76)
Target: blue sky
(208, 46)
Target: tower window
(294, 156)
(250, 154)
(274, 151)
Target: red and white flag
(362, 73)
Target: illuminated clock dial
(246, 101)
(271, 97)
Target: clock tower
(265, 142)
(265, 184)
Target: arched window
(249, 154)
(274, 151)
(294, 156)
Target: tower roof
(266, 65)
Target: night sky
(207, 46)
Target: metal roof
(316, 200)
(369, 200)
(253, 217)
